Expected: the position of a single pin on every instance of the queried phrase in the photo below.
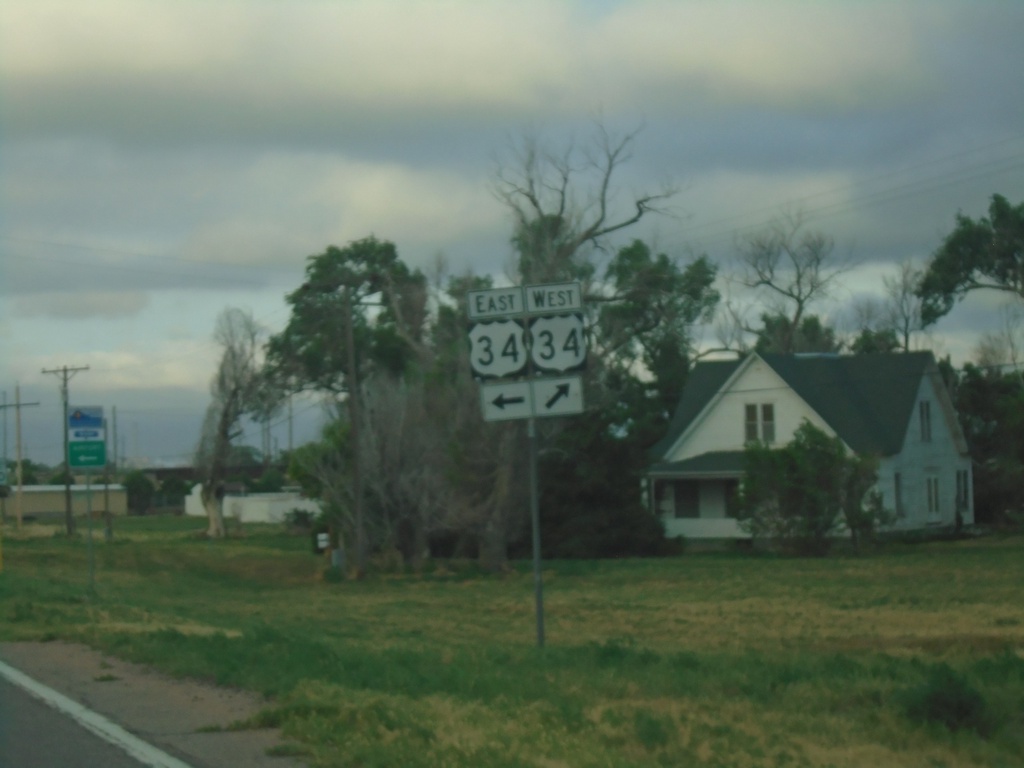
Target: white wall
(255, 507)
(722, 427)
(919, 459)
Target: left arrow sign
(504, 400)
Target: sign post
(518, 332)
(87, 449)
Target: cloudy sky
(161, 161)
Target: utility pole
(66, 375)
(17, 501)
(17, 405)
(355, 415)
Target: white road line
(145, 753)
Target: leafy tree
(271, 481)
(174, 490)
(800, 496)
(30, 472)
(873, 342)
(589, 501)
(987, 253)
(140, 491)
(364, 288)
(778, 335)
(646, 319)
(63, 477)
(990, 405)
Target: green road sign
(82, 455)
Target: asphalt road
(34, 735)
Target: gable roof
(868, 400)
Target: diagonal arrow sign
(562, 390)
(501, 401)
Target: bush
(140, 492)
(801, 495)
(947, 699)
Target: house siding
(721, 428)
(714, 521)
(920, 460)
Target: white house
(894, 406)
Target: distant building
(46, 501)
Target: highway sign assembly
(518, 332)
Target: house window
(932, 484)
(751, 423)
(897, 484)
(925, 412)
(768, 422)
(687, 499)
(963, 491)
(759, 422)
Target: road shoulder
(179, 716)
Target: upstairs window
(924, 409)
(759, 422)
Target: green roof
(867, 400)
(711, 463)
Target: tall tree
(359, 310)
(987, 253)
(646, 319)
(233, 391)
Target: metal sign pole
(538, 578)
(88, 517)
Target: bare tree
(1005, 347)
(561, 203)
(232, 391)
(789, 268)
(903, 305)
(403, 449)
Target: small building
(893, 406)
(47, 501)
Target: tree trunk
(214, 512)
(493, 556)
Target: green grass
(910, 657)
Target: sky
(162, 161)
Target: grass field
(913, 656)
